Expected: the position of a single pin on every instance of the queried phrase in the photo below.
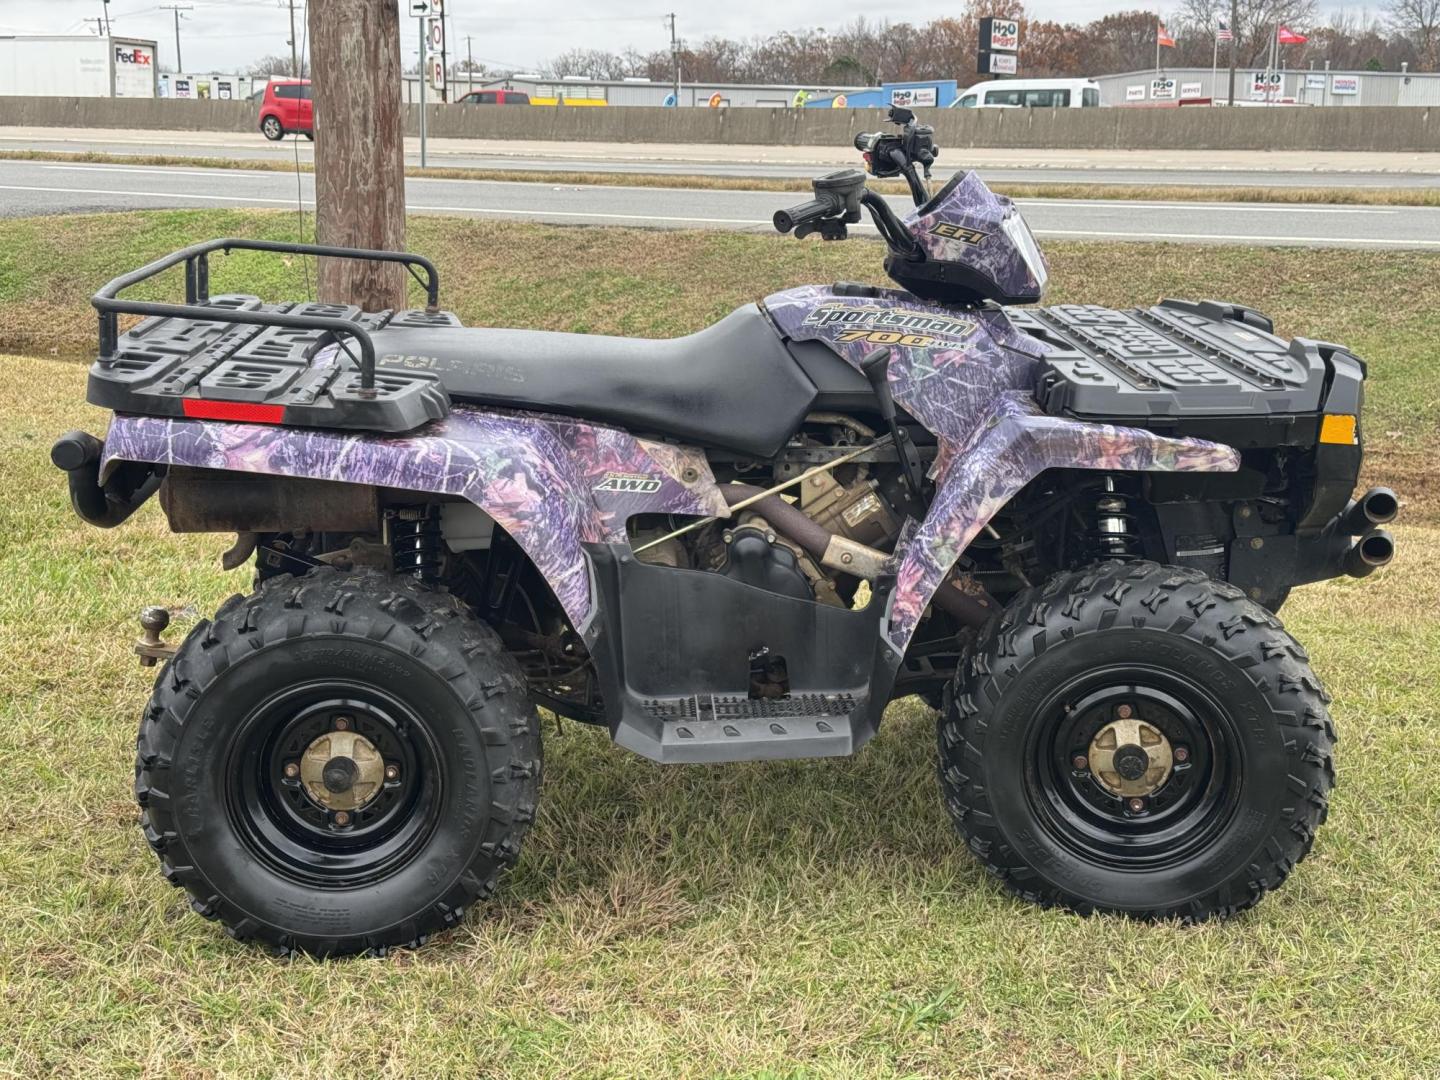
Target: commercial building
(1311, 86)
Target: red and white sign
(437, 35)
(1286, 36)
(437, 73)
(1345, 85)
(1004, 35)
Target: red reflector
(241, 411)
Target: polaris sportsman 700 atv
(1067, 528)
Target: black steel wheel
(338, 763)
(1140, 739)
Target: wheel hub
(1130, 758)
(342, 770)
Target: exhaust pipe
(1378, 506)
(1372, 551)
(78, 454)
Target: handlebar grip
(810, 210)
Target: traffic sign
(420, 8)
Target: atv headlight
(1019, 234)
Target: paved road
(1232, 168)
(31, 188)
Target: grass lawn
(815, 919)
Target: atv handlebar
(810, 210)
(197, 294)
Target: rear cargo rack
(235, 357)
(197, 292)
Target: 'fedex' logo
(132, 56)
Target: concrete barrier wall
(1381, 129)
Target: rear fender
(1012, 445)
(552, 483)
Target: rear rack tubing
(110, 306)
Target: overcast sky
(227, 35)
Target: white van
(1030, 94)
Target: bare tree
(1419, 22)
(275, 65)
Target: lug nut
(1182, 754)
(392, 772)
(342, 723)
(1124, 712)
(292, 770)
(1135, 805)
(342, 817)
(1080, 761)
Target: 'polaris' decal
(636, 483)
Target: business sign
(998, 63)
(1162, 89)
(1266, 84)
(999, 35)
(1345, 84)
(437, 35)
(1135, 93)
(910, 97)
(134, 69)
(1191, 90)
(437, 73)
(1315, 80)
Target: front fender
(1012, 445)
(552, 483)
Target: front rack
(110, 306)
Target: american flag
(1223, 32)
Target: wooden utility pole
(359, 147)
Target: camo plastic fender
(552, 483)
(969, 377)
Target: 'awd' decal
(634, 483)
(951, 231)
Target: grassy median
(1039, 189)
(814, 919)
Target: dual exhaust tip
(1363, 518)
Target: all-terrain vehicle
(1067, 528)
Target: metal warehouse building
(1303, 87)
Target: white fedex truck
(77, 66)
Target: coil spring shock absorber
(415, 542)
(1114, 535)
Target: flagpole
(1157, 48)
(1214, 66)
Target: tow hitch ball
(149, 647)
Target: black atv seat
(732, 385)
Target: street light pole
(294, 46)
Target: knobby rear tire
(372, 634)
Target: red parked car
(495, 97)
(287, 109)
